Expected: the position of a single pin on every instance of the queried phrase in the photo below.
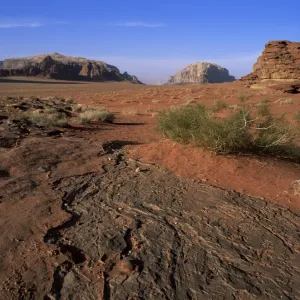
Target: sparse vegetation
(220, 105)
(284, 101)
(70, 101)
(297, 116)
(156, 101)
(92, 114)
(248, 128)
(52, 118)
(233, 107)
(129, 101)
(58, 115)
(130, 112)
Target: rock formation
(280, 60)
(58, 66)
(201, 72)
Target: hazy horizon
(152, 40)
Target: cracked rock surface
(152, 235)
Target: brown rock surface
(279, 61)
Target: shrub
(297, 116)
(156, 101)
(60, 116)
(52, 118)
(70, 101)
(284, 101)
(248, 128)
(220, 105)
(98, 115)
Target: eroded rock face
(58, 66)
(201, 72)
(279, 60)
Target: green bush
(249, 128)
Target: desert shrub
(284, 101)
(130, 112)
(70, 100)
(156, 101)
(52, 118)
(61, 117)
(97, 115)
(297, 116)
(248, 128)
(220, 105)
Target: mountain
(58, 66)
(201, 72)
(279, 60)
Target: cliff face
(279, 60)
(201, 72)
(58, 66)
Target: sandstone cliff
(280, 60)
(201, 72)
(58, 66)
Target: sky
(152, 39)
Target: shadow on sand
(9, 80)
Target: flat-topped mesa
(201, 72)
(279, 61)
(58, 66)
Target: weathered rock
(201, 72)
(288, 87)
(279, 60)
(58, 66)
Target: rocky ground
(80, 219)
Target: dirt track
(80, 220)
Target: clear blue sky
(151, 39)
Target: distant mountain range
(58, 66)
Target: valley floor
(114, 211)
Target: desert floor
(116, 211)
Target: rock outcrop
(201, 72)
(57, 66)
(280, 60)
